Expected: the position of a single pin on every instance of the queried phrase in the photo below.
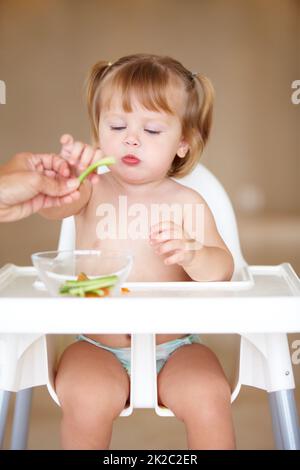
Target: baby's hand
(168, 237)
(80, 155)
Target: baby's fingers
(166, 234)
(90, 156)
(164, 230)
(98, 155)
(67, 143)
(66, 139)
(86, 157)
(72, 151)
(76, 153)
(168, 246)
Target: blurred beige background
(250, 51)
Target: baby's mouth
(130, 160)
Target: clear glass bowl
(54, 268)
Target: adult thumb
(58, 187)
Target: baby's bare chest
(118, 223)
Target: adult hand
(31, 182)
(80, 156)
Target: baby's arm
(204, 255)
(212, 261)
(79, 157)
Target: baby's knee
(207, 395)
(91, 403)
(202, 393)
(209, 387)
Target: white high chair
(256, 367)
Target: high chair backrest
(205, 183)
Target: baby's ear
(183, 149)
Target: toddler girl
(154, 116)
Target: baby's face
(153, 137)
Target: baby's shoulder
(187, 194)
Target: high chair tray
(271, 303)
(242, 280)
(23, 281)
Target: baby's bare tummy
(147, 266)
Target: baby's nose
(132, 141)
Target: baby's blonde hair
(149, 77)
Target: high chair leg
(21, 419)
(285, 420)
(275, 422)
(4, 403)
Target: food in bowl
(86, 287)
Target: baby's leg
(192, 385)
(92, 387)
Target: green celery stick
(112, 278)
(100, 292)
(80, 292)
(76, 291)
(91, 168)
(73, 290)
(89, 285)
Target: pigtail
(197, 122)
(206, 107)
(94, 78)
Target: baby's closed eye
(117, 128)
(120, 128)
(152, 131)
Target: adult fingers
(57, 186)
